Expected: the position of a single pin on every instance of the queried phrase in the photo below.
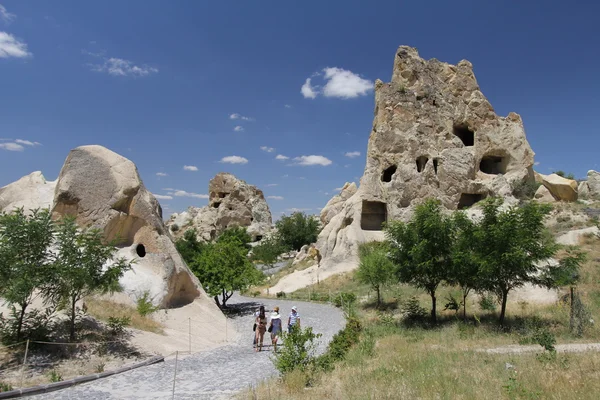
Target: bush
(117, 325)
(297, 230)
(487, 303)
(174, 228)
(55, 376)
(525, 190)
(340, 344)
(297, 350)
(412, 309)
(5, 387)
(281, 295)
(344, 299)
(37, 325)
(144, 304)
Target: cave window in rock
(140, 249)
(468, 199)
(222, 195)
(466, 135)
(374, 214)
(493, 165)
(258, 238)
(435, 165)
(421, 163)
(217, 204)
(388, 173)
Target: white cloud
(267, 149)
(12, 47)
(234, 160)
(5, 15)
(352, 154)
(312, 160)
(190, 168)
(121, 67)
(271, 184)
(281, 157)
(27, 142)
(162, 197)
(239, 128)
(275, 197)
(536, 163)
(239, 116)
(287, 106)
(285, 176)
(11, 146)
(308, 91)
(340, 83)
(345, 84)
(161, 174)
(294, 209)
(183, 193)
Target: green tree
(297, 230)
(189, 247)
(465, 267)
(375, 268)
(239, 233)
(224, 267)
(267, 251)
(79, 269)
(25, 258)
(512, 247)
(422, 248)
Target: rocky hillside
(232, 202)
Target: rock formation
(334, 206)
(232, 202)
(561, 189)
(434, 135)
(591, 187)
(103, 190)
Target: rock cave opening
(387, 174)
(468, 199)
(463, 132)
(258, 238)
(140, 249)
(435, 165)
(493, 165)
(373, 215)
(216, 204)
(421, 163)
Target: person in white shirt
(293, 319)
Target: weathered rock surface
(334, 206)
(543, 194)
(590, 188)
(562, 189)
(232, 202)
(308, 254)
(29, 192)
(434, 135)
(103, 190)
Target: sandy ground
(573, 237)
(311, 275)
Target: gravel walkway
(214, 374)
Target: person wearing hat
(275, 327)
(293, 319)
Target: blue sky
(166, 83)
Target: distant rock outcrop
(232, 202)
(435, 135)
(590, 188)
(334, 206)
(562, 189)
(103, 190)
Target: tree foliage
(422, 248)
(189, 246)
(297, 230)
(267, 251)
(375, 267)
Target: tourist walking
(293, 319)
(261, 328)
(275, 327)
(254, 328)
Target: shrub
(5, 387)
(525, 190)
(487, 303)
(117, 325)
(412, 309)
(297, 350)
(297, 230)
(55, 376)
(37, 325)
(281, 295)
(144, 304)
(344, 299)
(174, 227)
(100, 368)
(340, 344)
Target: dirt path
(560, 348)
(214, 374)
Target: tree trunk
(217, 301)
(378, 296)
(20, 323)
(465, 306)
(572, 317)
(433, 313)
(503, 309)
(72, 335)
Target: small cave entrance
(216, 204)
(140, 249)
(258, 238)
(373, 215)
(463, 132)
(421, 163)
(435, 165)
(388, 173)
(468, 199)
(493, 165)
(222, 195)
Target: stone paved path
(214, 374)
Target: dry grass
(104, 309)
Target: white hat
(275, 315)
(294, 308)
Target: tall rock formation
(434, 135)
(232, 203)
(103, 190)
(590, 188)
